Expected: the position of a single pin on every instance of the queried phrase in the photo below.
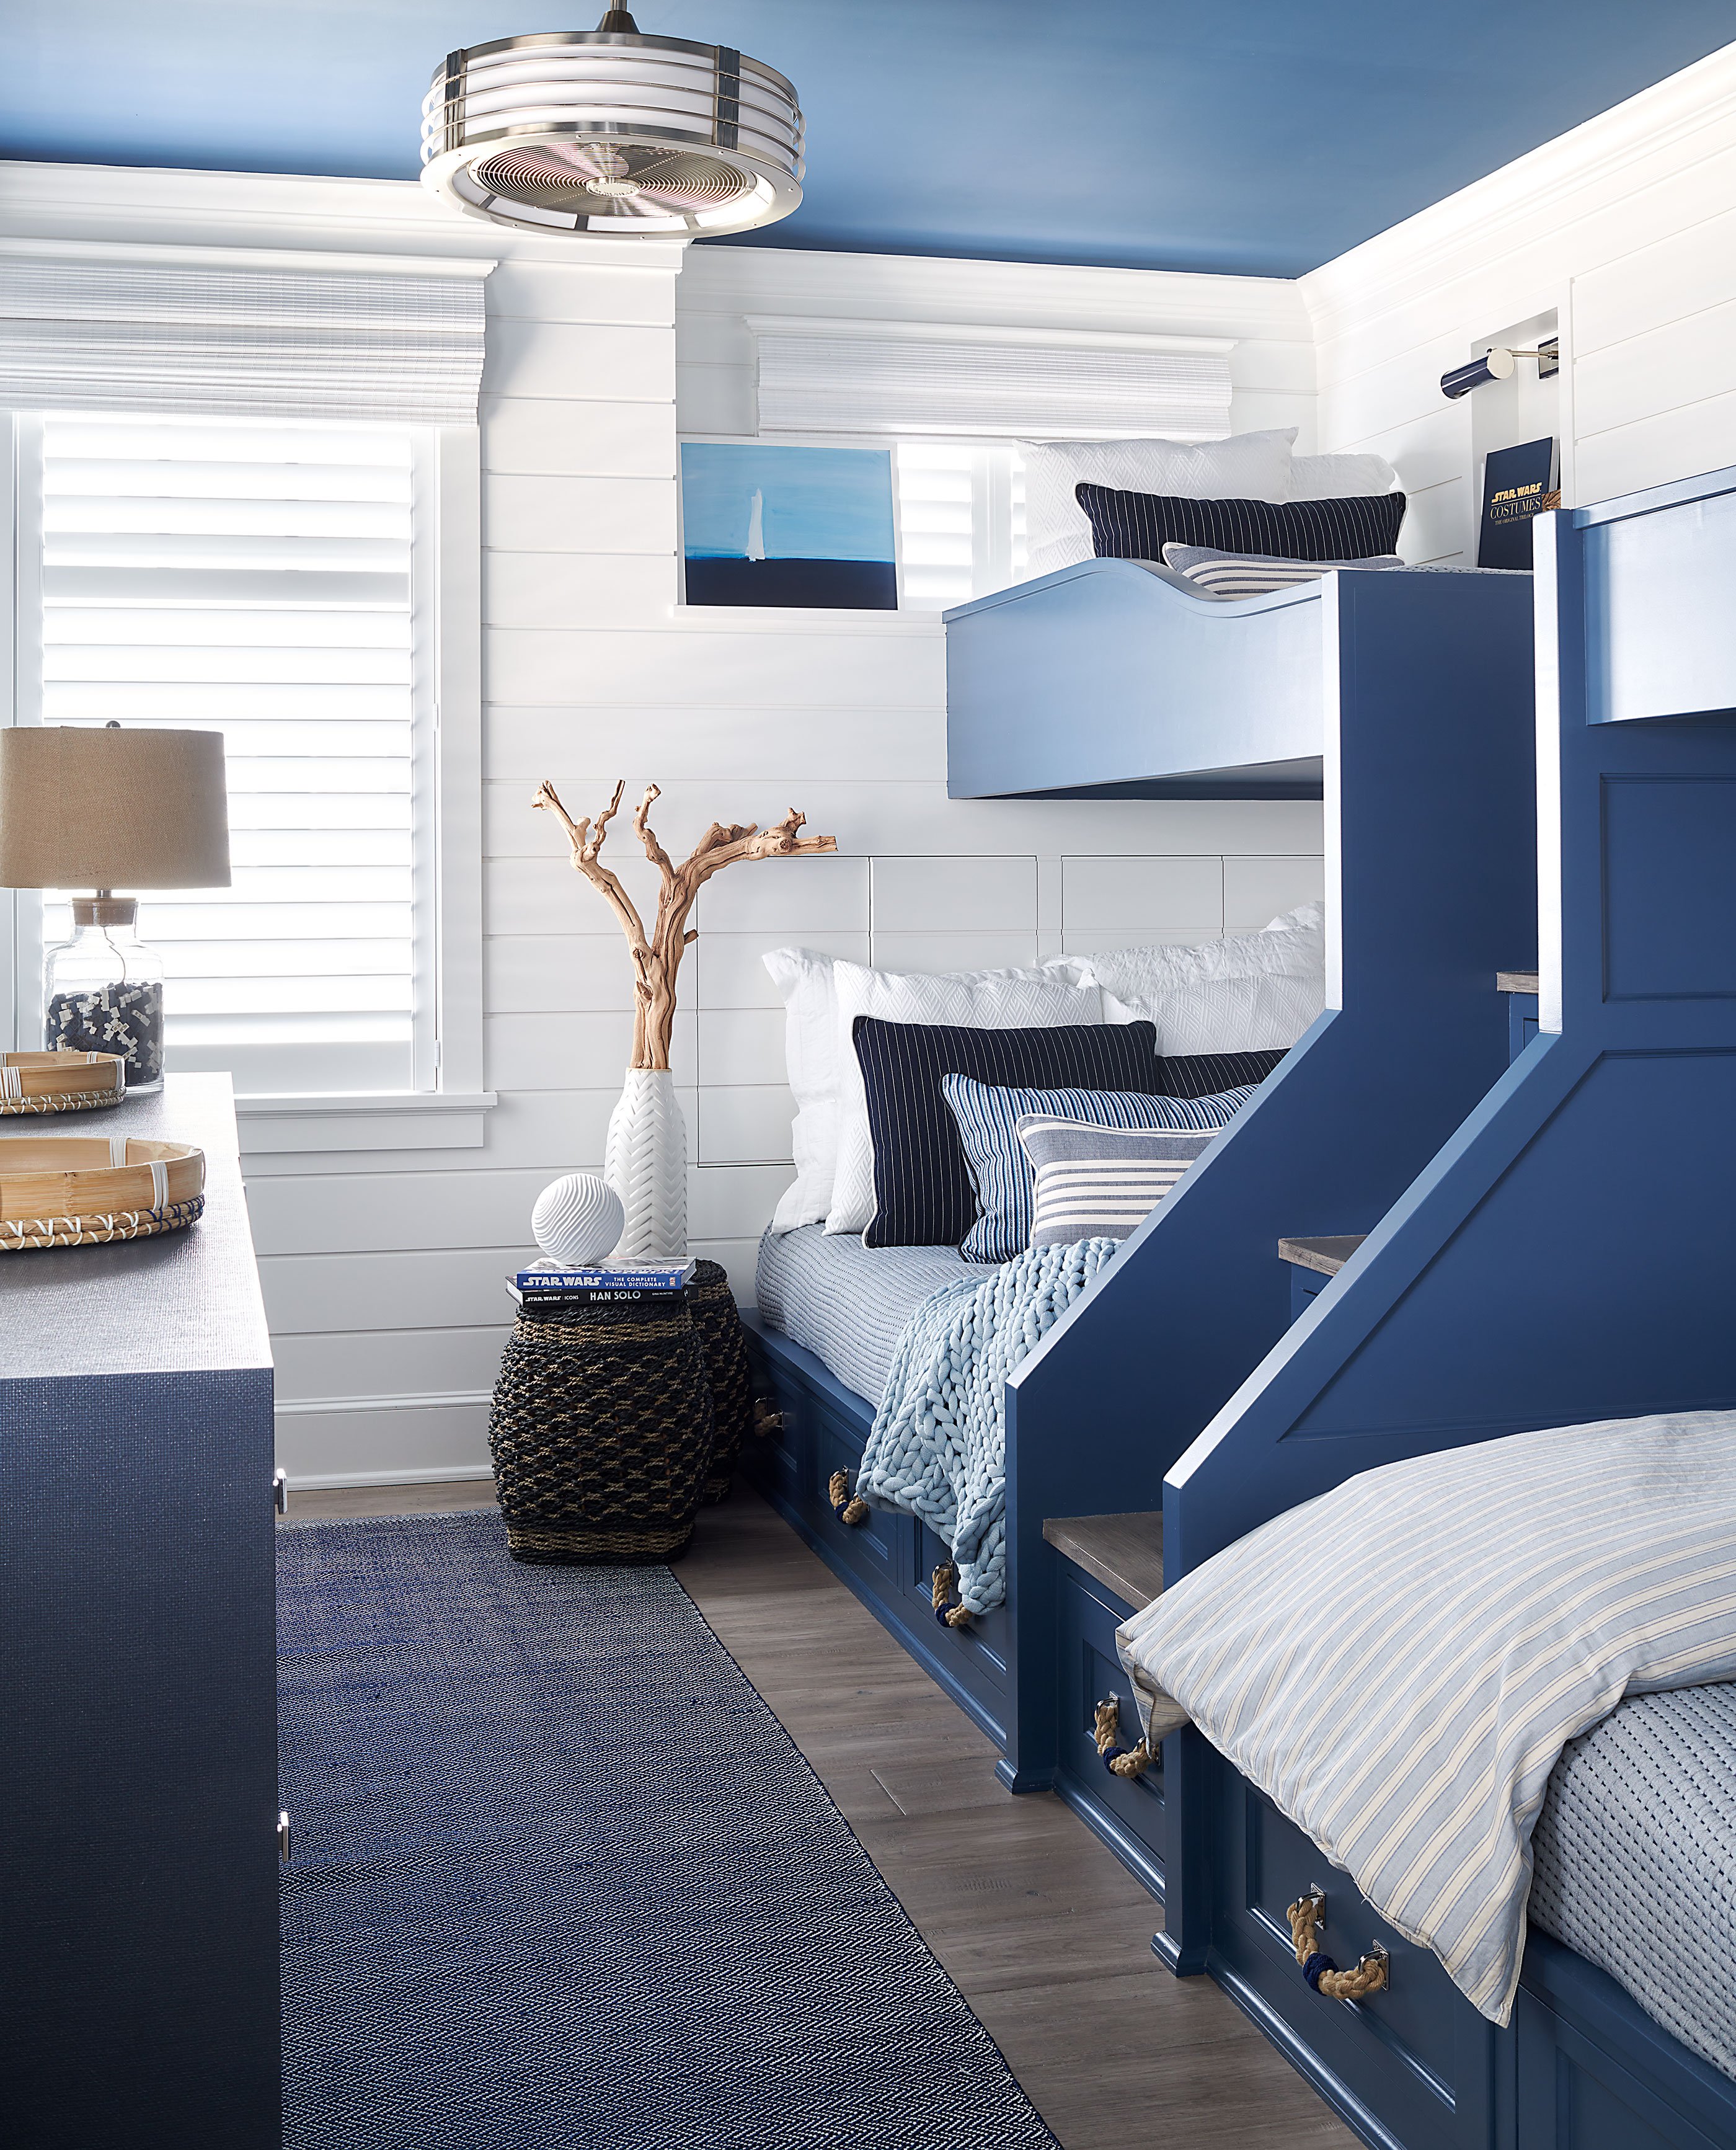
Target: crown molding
(840, 325)
(284, 260)
(115, 206)
(890, 288)
(1569, 180)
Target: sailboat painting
(768, 524)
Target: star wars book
(1519, 484)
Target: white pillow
(811, 1053)
(978, 999)
(1235, 1015)
(1057, 532)
(1332, 477)
(1179, 988)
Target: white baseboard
(333, 1406)
(439, 1474)
(407, 1440)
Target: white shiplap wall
(382, 1270)
(1625, 231)
(387, 1332)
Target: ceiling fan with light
(606, 131)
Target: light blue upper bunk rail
(1112, 679)
(1657, 591)
(1568, 1255)
(1425, 707)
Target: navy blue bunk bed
(1407, 699)
(1525, 1279)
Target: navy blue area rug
(562, 1881)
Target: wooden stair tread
(1328, 1256)
(1124, 1553)
(1516, 982)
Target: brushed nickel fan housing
(606, 131)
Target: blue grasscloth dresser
(139, 1981)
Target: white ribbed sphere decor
(577, 1219)
(646, 1164)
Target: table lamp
(103, 807)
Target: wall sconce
(1497, 364)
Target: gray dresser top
(186, 1302)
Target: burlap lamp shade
(110, 810)
(105, 808)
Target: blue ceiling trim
(1262, 137)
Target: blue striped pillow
(988, 1128)
(1137, 525)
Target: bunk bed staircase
(1419, 702)
(1564, 1258)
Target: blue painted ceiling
(1258, 136)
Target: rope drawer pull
(847, 1506)
(1373, 1974)
(1119, 1761)
(766, 1421)
(940, 1588)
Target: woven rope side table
(602, 1433)
(726, 1360)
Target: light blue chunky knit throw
(938, 1448)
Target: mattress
(1635, 1859)
(847, 1302)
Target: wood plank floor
(1043, 1929)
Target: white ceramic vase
(646, 1164)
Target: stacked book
(548, 1284)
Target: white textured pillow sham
(1333, 478)
(1057, 532)
(819, 1054)
(1235, 1015)
(980, 1000)
(1183, 989)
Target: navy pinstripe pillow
(1204, 1074)
(1137, 525)
(923, 1193)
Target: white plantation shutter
(263, 580)
(961, 521)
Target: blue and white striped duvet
(1398, 1663)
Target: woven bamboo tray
(60, 1082)
(83, 1191)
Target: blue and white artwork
(764, 525)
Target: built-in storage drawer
(1420, 2057)
(796, 1461)
(888, 1558)
(982, 1643)
(1128, 1812)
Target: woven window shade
(907, 385)
(247, 343)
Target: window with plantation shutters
(961, 521)
(267, 580)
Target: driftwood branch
(657, 957)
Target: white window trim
(449, 1111)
